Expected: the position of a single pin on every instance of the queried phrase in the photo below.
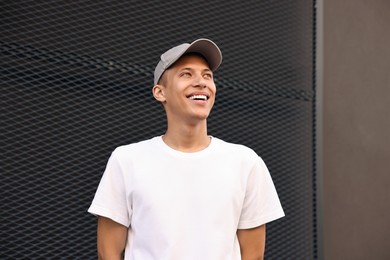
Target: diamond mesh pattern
(75, 83)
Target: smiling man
(185, 194)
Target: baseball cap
(207, 48)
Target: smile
(199, 97)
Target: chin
(202, 117)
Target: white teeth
(198, 97)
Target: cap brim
(209, 50)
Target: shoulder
(241, 157)
(133, 149)
(236, 150)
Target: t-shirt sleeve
(261, 203)
(110, 198)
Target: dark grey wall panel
(356, 129)
(76, 82)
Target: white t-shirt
(185, 205)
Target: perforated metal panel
(76, 80)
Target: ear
(158, 93)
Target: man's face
(189, 89)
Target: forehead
(191, 60)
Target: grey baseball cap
(207, 48)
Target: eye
(208, 75)
(185, 74)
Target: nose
(200, 82)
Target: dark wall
(76, 82)
(357, 129)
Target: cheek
(214, 95)
(213, 88)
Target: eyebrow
(206, 69)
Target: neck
(187, 138)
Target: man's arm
(111, 239)
(252, 243)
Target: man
(185, 194)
